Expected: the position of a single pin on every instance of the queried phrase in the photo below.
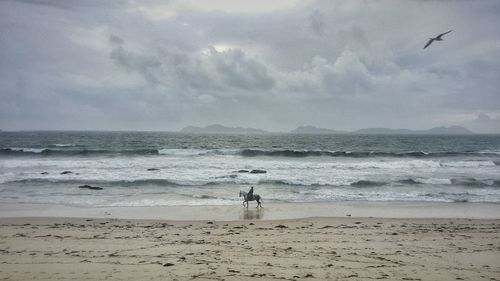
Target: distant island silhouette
(312, 130)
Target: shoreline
(272, 211)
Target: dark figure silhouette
(250, 194)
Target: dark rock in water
(66, 172)
(44, 173)
(366, 183)
(409, 181)
(242, 171)
(223, 177)
(91, 187)
(153, 169)
(256, 171)
(168, 264)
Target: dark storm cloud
(164, 65)
(209, 70)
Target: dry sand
(301, 249)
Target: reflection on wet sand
(247, 214)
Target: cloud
(115, 40)
(225, 72)
(483, 123)
(317, 23)
(163, 65)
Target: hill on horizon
(312, 130)
(452, 130)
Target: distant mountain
(453, 130)
(219, 129)
(315, 131)
(312, 130)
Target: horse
(256, 197)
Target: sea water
(166, 169)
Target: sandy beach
(309, 248)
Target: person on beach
(250, 194)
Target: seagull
(437, 38)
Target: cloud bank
(156, 65)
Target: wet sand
(299, 249)
(271, 211)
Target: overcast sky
(273, 65)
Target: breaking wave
(367, 183)
(363, 183)
(124, 183)
(75, 150)
(355, 154)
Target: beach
(165, 206)
(308, 248)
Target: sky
(272, 65)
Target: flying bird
(437, 38)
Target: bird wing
(439, 36)
(428, 43)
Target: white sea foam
(183, 152)
(64, 145)
(197, 152)
(203, 177)
(27, 149)
(468, 164)
(433, 180)
(490, 152)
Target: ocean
(172, 169)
